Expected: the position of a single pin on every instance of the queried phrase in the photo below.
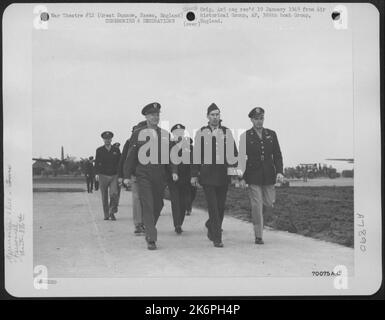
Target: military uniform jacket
(106, 162)
(214, 174)
(89, 170)
(123, 158)
(125, 149)
(132, 161)
(183, 169)
(263, 157)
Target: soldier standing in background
(90, 174)
(150, 175)
(261, 162)
(106, 169)
(136, 206)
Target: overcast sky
(88, 80)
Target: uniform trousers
(259, 196)
(108, 185)
(191, 198)
(136, 206)
(151, 179)
(90, 183)
(180, 196)
(216, 200)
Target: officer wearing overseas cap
(90, 174)
(181, 148)
(213, 172)
(262, 166)
(147, 157)
(136, 205)
(106, 169)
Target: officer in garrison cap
(147, 157)
(136, 205)
(106, 169)
(180, 190)
(261, 161)
(213, 172)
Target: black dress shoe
(138, 231)
(218, 244)
(178, 230)
(208, 232)
(151, 245)
(259, 241)
(106, 218)
(112, 216)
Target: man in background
(106, 170)
(136, 206)
(90, 174)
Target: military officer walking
(120, 181)
(149, 167)
(90, 174)
(180, 190)
(136, 205)
(213, 173)
(106, 169)
(193, 193)
(262, 167)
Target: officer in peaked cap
(180, 190)
(150, 176)
(256, 112)
(106, 169)
(178, 126)
(185, 171)
(107, 135)
(261, 161)
(153, 107)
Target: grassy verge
(324, 213)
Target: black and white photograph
(216, 149)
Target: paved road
(72, 240)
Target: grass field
(324, 213)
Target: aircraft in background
(51, 164)
(348, 160)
